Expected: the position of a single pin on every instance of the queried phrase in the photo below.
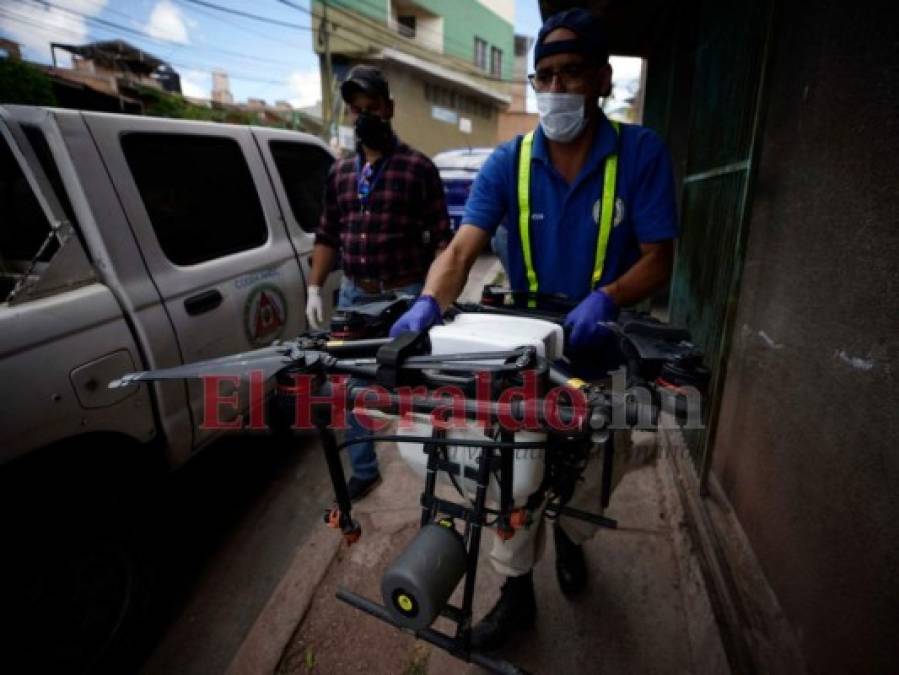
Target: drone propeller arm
(268, 360)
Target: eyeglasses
(570, 75)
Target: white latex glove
(314, 310)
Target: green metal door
(726, 102)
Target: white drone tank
(476, 332)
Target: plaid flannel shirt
(404, 220)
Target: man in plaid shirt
(385, 214)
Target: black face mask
(373, 132)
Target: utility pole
(324, 36)
(328, 89)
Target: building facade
(115, 68)
(449, 65)
(221, 87)
(517, 120)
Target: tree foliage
(22, 83)
(162, 104)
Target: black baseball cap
(367, 79)
(590, 41)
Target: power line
(284, 24)
(109, 26)
(239, 26)
(139, 33)
(248, 15)
(418, 29)
(381, 42)
(4, 12)
(448, 39)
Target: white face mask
(561, 115)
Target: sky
(270, 62)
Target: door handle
(203, 302)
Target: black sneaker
(571, 570)
(359, 487)
(515, 610)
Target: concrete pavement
(644, 611)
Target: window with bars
(405, 25)
(496, 62)
(457, 101)
(480, 53)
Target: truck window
(303, 169)
(198, 193)
(24, 227)
(44, 155)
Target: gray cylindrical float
(419, 582)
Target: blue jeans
(362, 455)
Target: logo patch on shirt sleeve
(620, 211)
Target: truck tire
(78, 575)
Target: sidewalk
(643, 611)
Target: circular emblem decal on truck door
(265, 315)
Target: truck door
(201, 207)
(298, 164)
(62, 333)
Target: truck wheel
(77, 576)
(76, 609)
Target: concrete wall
(415, 125)
(806, 449)
(513, 123)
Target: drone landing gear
(415, 590)
(338, 516)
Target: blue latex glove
(585, 331)
(423, 314)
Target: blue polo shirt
(565, 218)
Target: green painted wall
(376, 9)
(463, 20)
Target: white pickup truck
(131, 243)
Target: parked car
(167, 241)
(458, 169)
(131, 243)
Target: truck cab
(132, 243)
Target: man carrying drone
(591, 215)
